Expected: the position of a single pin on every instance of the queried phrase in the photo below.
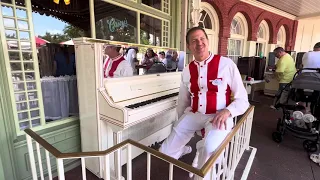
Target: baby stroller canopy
(307, 80)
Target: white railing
(221, 165)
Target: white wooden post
(31, 158)
(60, 169)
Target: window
(205, 20)
(116, 23)
(234, 49)
(209, 20)
(262, 39)
(22, 65)
(153, 3)
(238, 36)
(236, 27)
(150, 30)
(281, 37)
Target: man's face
(161, 56)
(277, 54)
(108, 50)
(198, 43)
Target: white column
(250, 50)
(92, 19)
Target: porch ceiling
(299, 8)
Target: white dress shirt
(311, 60)
(130, 56)
(123, 69)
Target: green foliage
(69, 32)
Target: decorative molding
(270, 9)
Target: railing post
(31, 158)
(148, 166)
(48, 165)
(107, 167)
(129, 163)
(83, 167)
(39, 161)
(60, 169)
(171, 172)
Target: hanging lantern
(67, 2)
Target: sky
(41, 23)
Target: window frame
(264, 41)
(140, 8)
(282, 41)
(214, 23)
(243, 36)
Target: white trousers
(184, 130)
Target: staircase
(220, 165)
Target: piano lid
(125, 88)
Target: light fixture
(67, 2)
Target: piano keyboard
(133, 106)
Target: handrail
(200, 172)
(206, 167)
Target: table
(250, 83)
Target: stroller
(297, 119)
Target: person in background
(312, 59)
(162, 56)
(149, 58)
(171, 60)
(64, 62)
(115, 64)
(204, 100)
(285, 70)
(131, 56)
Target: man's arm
(280, 69)
(184, 98)
(240, 103)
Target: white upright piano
(141, 108)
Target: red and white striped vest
(115, 63)
(208, 85)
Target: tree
(73, 32)
(54, 38)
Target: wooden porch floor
(287, 160)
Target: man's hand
(220, 119)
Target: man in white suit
(205, 100)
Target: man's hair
(118, 48)
(278, 50)
(316, 46)
(190, 31)
(162, 53)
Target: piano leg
(117, 138)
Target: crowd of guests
(125, 63)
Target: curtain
(60, 97)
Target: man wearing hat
(115, 64)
